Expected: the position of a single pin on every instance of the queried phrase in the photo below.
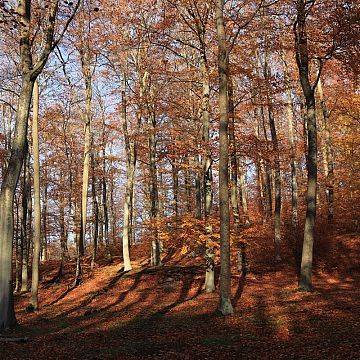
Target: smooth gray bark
(225, 305)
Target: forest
(180, 179)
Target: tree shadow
(183, 297)
(239, 289)
(93, 295)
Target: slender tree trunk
(112, 211)
(175, 178)
(277, 212)
(187, 182)
(207, 160)
(328, 158)
(37, 204)
(290, 118)
(154, 193)
(18, 250)
(95, 206)
(243, 192)
(130, 172)
(198, 197)
(209, 285)
(133, 215)
(260, 167)
(85, 60)
(302, 58)
(25, 234)
(277, 171)
(63, 232)
(44, 249)
(130, 175)
(234, 196)
(225, 305)
(267, 171)
(105, 211)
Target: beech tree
(225, 277)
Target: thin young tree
(225, 305)
(37, 204)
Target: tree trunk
(37, 204)
(95, 206)
(105, 211)
(18, 254)
(260, 167)
(85, 61)
(175, 178)
(8, 186)
(290, 118)
(233, 158)
(328, 157)
(187, 182)
(277, 170)
(130, 174)
(154, 194)
(25, 234)
(207, 161)
(63, 232)
(44, 249)
(277, 187)
(225, 306)
(198, 197)
(267, 171)
(243, 192)
(302, 59)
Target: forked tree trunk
(225, 305)
(37, 204)
(302, 58)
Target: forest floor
(162, 313)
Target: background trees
(167, 147)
